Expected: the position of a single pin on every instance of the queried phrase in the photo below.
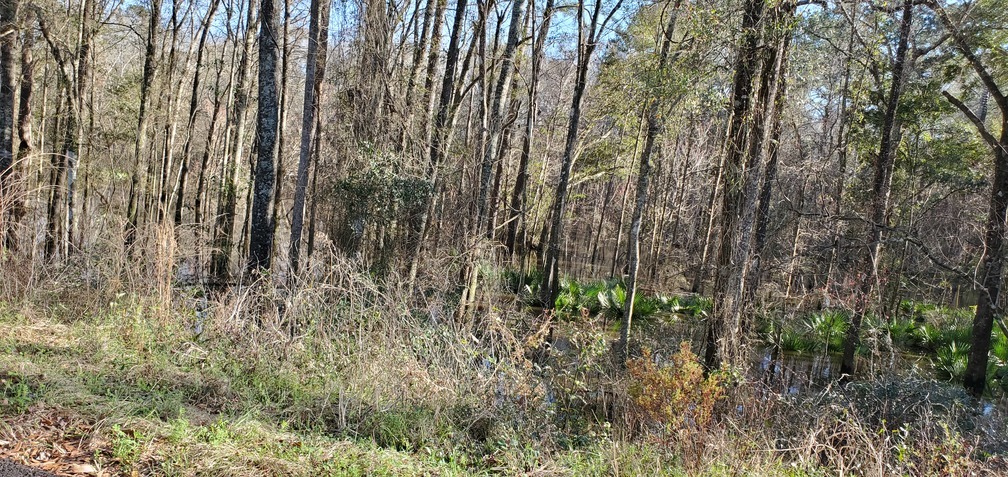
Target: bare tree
(588, 37)
(318, 34)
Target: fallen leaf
(87, 469)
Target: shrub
(677, 400)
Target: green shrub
(828, 328)
(17, 395)
(950, 361)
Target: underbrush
(354, 375)
(941, 335)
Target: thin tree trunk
(500, 96)
(140, 146)
(586, 46)
(883, 167)
(318, 34)
(17, 207)
(440, 132)
(8, 38)
(180, 185)
(518, 195)
(654, 127)
(224, 224)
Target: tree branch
(991, 140)
(972, 58)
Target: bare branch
(991, 140)
(972, 58)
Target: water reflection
(792, 373)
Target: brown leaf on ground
(54, 440)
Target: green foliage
(828, 328)
(606, 298)
(127, 445)
(517, 282)
(950, 361)
(576, 380)
(997, 367)
(696, 305)
(17, 395)
(404, 429)
(377, 195)
(903, 333)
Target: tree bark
(500, 96)
(261, 233)
(8, 38)
(992, 262)
(180, 185)
(440, 130)
(882, 185)
(24, 121)
(722, 340)
(654, 126)
(518, 194)
(220, 258)
(318, 35)
(587, 41)
(140, 146)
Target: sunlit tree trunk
(318, 34)
(180, 185)
(261, 233)
(8, 38)
(722, 335)
(516, 214)
(136, 189)
(655, 124)
(500, 97)
(587, 41)
(882, 185)
(992, 263)
(224, 224)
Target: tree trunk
(518, 194)
(224, 224)
(722, 341)
(318, 35)
(654, 127)
(208, 148)
(180, 185)
(883, 167)
(8, 38)
(586, 46)
(992, 262)
(285, 56)
(19, 191)
(774, 83)
(261, 233)
(500, 96)
(140, 146)
(440, 130)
